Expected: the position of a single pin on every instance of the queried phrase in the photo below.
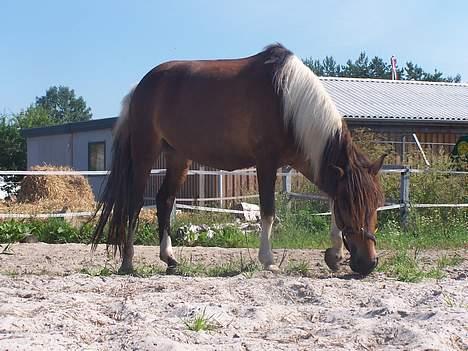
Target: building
(436, 112)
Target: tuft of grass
(98, 272)
(301, 268)
(407, 268)
(201, 322)
(449, 261)
(146, 271)
(232, 268)
(188, 268)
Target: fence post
(403, 150)
(221, 190)
(172, 217)
(404, 198)
(286, 185)
(286, 180)
(201, 186)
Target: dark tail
(114, 205)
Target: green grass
(300, 268)
(408, 267)
(98, 272)
(201, 322)
(298, 229)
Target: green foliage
(146, 234)
(232, 268)
(63, 106)
(406, 268)
(363, 67)
(12, 145)
(201, 322)
(98, 272)
(300, 268)
(227, 236)
(33, 117)
(14, 231)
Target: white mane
(308, 108)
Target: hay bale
(56, 192)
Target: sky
(101, 48)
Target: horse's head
(358, 195)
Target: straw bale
(55, 192)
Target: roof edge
(389, 81)
(69, 128)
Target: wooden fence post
(404, 198)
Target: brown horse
(268, 110)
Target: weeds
(301, 268)
(407, 268)
(98, 272)
(201, 322)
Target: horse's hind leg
(266, 175)
(177, 168)
(142, 161)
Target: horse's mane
(363, 193)
(307, 107)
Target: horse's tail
(117, 192)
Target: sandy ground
(46, 304)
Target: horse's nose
(364, 267)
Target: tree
(33, 117)
(13, 151)
(12, 144)
(63, 106)
(362, 67)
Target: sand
(47, 304)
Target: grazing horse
(268, 110)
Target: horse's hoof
(172, 269)
(272, 268)
(333, 259)
(125, 271)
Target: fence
(286, 175)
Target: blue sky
(101, 48)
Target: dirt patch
(45, 303)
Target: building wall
(70, 150)
(51, 149)
(80, 154)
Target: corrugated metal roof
(379, 99)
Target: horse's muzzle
(364, 267)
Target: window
(97, 156)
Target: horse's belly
(218, 156)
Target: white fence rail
(404, 204)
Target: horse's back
(210, 109)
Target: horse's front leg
(334, 255)
(266, 175)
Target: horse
(268, 110)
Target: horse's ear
(339, 172)
(375, 167)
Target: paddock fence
(288, 183)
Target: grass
(300, 268)
(201, 322)
(408, 267)
(98, 272)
